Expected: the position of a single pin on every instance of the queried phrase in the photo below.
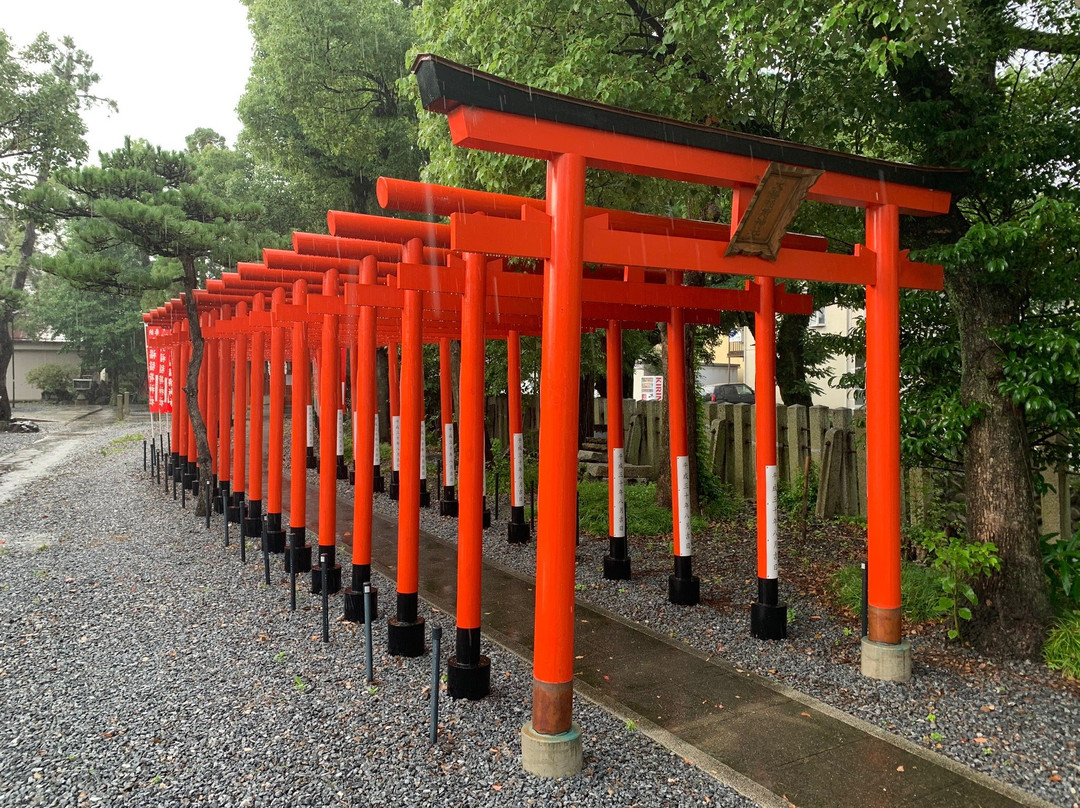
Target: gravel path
(1012, 721)
(141, 664)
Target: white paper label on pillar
(340, 433)
(448, 455)
(519, 470)
(423, 450)
(770, 522)
(395, 442)
(618, 485)
(310, 426)
(378, 453)
(682, 468)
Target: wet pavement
(774, 745)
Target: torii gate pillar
(885, 654)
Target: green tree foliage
(987, 87)
(155, 202)
(43, 90)
(323, 106)
(102, 326)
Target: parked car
(730, 394)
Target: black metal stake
(436, 645)
(367, 632)
(183, 495)
(865, 597)
(323, 565)
(438, 478)
(209, 506)
(292, 580)
(243, 536)
(265, 551)
(225, 513)
(144, 454)
(496, 495)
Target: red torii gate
(489, 113)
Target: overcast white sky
(171, 67)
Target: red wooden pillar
(768, 617)
(684, 588)
(405, 632)
(210, 362)
(310, 460)
(617, 561)
(298, 557)
(448, 505)
(517, 530)
(177, 403)
(553, 657)
(885, 654)
(395, 419)
(275, 536)
(365, 443)
(236, 512)
(468, 671)
(225, 395)
(204, 398)
(329, 412)
(191, 467)
(253, 523)
(342, 471)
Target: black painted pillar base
(333, 579)
(405, 639)
(617, 561)
(768, 617)
(312, 460)
(471, 682)
(193, 477)
(684, 588)
(425, 495)
(275, 536)
(517, 529)
(253, 521)
(354, 604)
(352, 477)
(468, 673)
(298, 555)
(448, 505)
(342, 469)
(223, 491)
(487, 514)
(378, 485)
(177, 471)
(392, 492)
(236, 507)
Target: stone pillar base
(551, 755)
(885, 661)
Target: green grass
(1062, 648)
(644, 517)
(919, 589)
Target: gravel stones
(142, 664)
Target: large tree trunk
(191, 384)
(1014, 608)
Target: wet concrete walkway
(774, 745)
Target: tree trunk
(1014, 608)
(191, 384)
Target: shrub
(960, 563)
(789, 498)
(1062, 648)
(1061, 560)
(53, 379)
(920, 590)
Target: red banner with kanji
(158, 369)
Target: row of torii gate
(509, 266)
